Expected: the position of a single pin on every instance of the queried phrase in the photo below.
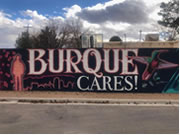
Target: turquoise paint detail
(173, 84)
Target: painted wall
(146, 44)
(153, 70)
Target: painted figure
(18, 70)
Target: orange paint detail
(18, 70)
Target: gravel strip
(90, 95)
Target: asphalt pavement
(23, 118)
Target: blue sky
(45, 7)
(107, 17)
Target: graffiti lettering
(116, 83)
(72, 58)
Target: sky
(107, 17)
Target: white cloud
(154, 3)
(113, 19)
(116, 26)
(34, 15)
(71, 12)
(154, 8)
(10, 28)
(4, 18)
(100, 6)
(91, 26)
(36, 20)
(58, 18)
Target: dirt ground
(48, 94)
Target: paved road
(28, 118)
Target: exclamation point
(135, 81)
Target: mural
(94, 70)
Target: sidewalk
(88, 97)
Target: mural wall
(99, 70)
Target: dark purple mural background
(95, 70)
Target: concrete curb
(90, 101)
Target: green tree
(54, 35)
(46, 39)
(24, 41)
(170, 15)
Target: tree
(115, 38)
(170, 16)
(24, 40)
(66, 35)
(46, 39)
(70, 33)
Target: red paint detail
(154, 64)
(146, 75)
(5, 84)
(8, 75)
(45, 76)
(13, 53)
(9, 59)
(52, 84)
(7, 54)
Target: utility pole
(27, 27)
(124, 37)
(140, 35)
(27, 30)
